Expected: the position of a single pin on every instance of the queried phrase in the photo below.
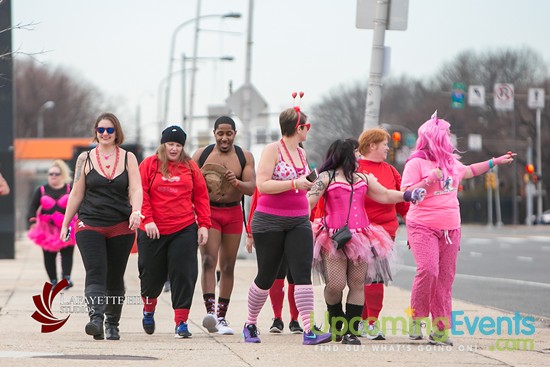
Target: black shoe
(70, 285)
(95, 328)
(277, 326)
(350, 339)
(111, 332)
(295, 327)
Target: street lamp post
(173, 46)
(48, 105)
(184, 59)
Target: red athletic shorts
(227, 219)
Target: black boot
(113, 311)
(353, 316)
(335, 311)
(96, 310)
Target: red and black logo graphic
(43, 303)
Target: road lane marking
(527, 259)
(490, 279)
(475, 254)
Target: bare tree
(77, 102)
(409, 102)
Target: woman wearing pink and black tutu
(364, 258)
(45, 217)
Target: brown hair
(288, 119)
(163, 158)
(119, 135)
(371, 136)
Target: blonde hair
(371, 136)
(63, 169)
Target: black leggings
(174, 254)
(294, 245)
(50, 262)
(105, 261)
(284, 272)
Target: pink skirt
(47, 230)
(371, 245)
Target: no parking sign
(504, 96)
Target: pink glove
(504, 159)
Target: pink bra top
(284, 171)
(47, 202)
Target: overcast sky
(122, 46)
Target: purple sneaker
(314, 338)
(250, 333)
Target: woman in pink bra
(281, 227)
(364, 258)
(45, 217)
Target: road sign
(398, 13)
(476, 95)
(236, 102)
(536, 98)
(457, 95)
(504, 96)
(475, 142)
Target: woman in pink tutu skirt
(364, 258)
(45, 217)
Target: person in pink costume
(365, 257)
(45, 217)
(4, 187)
(373, 151)
(433, 226)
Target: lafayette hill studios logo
(43, 303)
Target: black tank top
(105, 202)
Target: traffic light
(490, 180)
(530, 169)
(396, 139)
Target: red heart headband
(297, 108)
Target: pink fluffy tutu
(47, 230)
(371, 245)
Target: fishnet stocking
(338, 273)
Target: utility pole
(7, 203)
(247, 110)
(374, 91)
(194, 69)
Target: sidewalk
(22, 343)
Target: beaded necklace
(109, 177)
(290, 157)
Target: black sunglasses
(54, 174)
(109, 130)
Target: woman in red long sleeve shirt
(176, 213)
(373, 147)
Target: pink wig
(434, 144)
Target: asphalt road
(505, 268)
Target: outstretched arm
(480, 168)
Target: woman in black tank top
(107, 195)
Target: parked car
(545, 218)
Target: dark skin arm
(247, 183)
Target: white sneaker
(440, 338)
(361, 329)
(373, 333)
(209, 322)
(223, 328)
(415, 332)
